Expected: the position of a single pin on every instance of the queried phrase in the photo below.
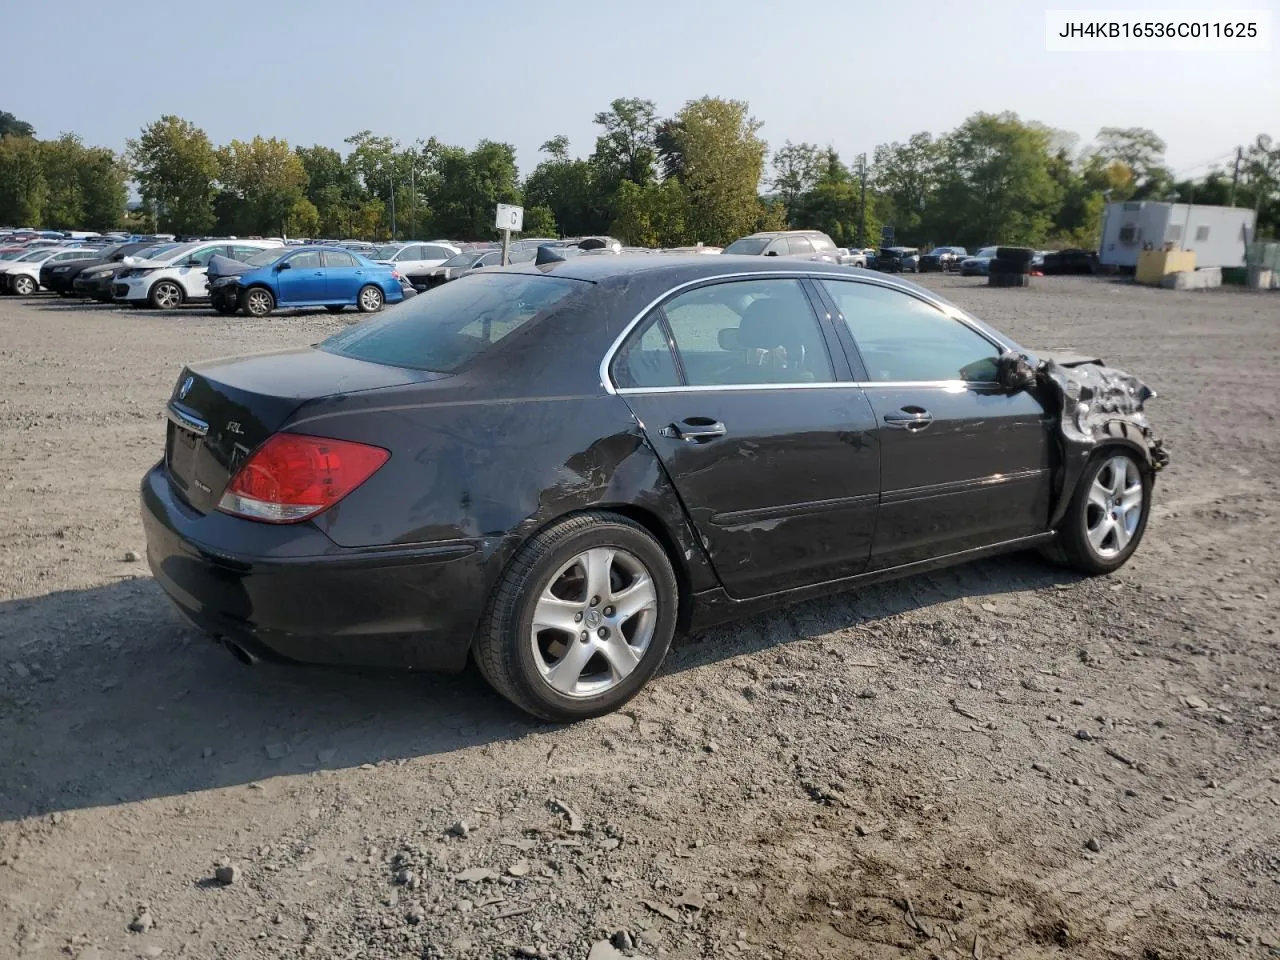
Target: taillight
(395, 274)
(294, 476)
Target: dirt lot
(1000, 760)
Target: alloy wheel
(370, 299)
(258, 303)
(1114, 507)
(593, 621)
(24, 286)
(167, 296)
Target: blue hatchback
(307, 277)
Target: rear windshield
(752, 246)
(443, 328)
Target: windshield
(11, 254)
(265, 258)
(988, 252)
(146, 253)
(387, 251)
(462, 260)
(444, 328)
(177, 250)
(36, 254)
(754, 246)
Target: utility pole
(413, 197)
(862, 207)
(1235, 176)
(393, 209)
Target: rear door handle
(695, 430)
(913, 419)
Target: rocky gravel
(996, 760)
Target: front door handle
(913, 419)
(695, 430)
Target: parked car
(942, 259)
(315, 276)
(177, 275)
(1073, 260)
(471, 260)
(898, 260)
(415, 260)
(60, 276)
(97, 282)
(979, 265)
(797, 244)
(512, 468)
(361, 247)
(21, 275)
(848, 257)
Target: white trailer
(1218, 235)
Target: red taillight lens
(395, 274)
(294, 476)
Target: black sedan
(61, 277)
(942, 259)
(554, 468)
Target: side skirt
(714, 606)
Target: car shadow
(108, 696)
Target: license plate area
(181, 447)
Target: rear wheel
(581, 619)
(258, 301)
(369, 299)
(23, 285)
(165, 295)
(1108, 513)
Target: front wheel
(224, 304)
(369, 300)
(165, 295)
(581, 619)
(1108, 513)
(23, 286)
(258, 301)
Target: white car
(413, 260)
(179, 275)
(22, 275)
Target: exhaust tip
(240, 653)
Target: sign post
(508, 218)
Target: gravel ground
(999, 760)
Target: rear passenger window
(645, 360)
(436, 253)
(799, 245)
(902, 338)
(338, 258)
(728, 334)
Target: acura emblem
(186, 387)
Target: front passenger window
(903, 338)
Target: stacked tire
(1011, 267)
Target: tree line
(702, 175)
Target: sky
(850, 75)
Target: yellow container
(1153, 265)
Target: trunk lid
(222, 410)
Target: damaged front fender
(1097, 406)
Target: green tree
(103, 190)
(834, 203)
(268, 178)
(568, 188)
(625, 150)
(64, 197)
(997, 187)
(907, 174)
(11, 126)
(539, 221)
(721, 159)
(1142, 152)
(796, 169)
(333, 187)
(653, 215)
(22, 183)
(175, 166)
(467, 187)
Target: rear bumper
(289, 592)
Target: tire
(165, 295)
(1090, 539)
(224, 305)
(1018, 255)
(257, 301)
(369, 299)
(335, 307)
(559, 565)
(23, 285)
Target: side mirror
(284, 266)
(1014, 371)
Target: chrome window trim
(610, 388)
(953, 385)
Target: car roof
(687, 267)
(785, 233)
